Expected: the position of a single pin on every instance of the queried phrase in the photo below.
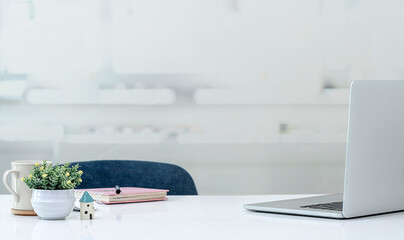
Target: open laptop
(374, 170)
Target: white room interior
(249, 96)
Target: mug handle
(9, 188)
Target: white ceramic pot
(52, 204)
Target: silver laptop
(374, 169)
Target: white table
(196, 217)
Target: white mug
(20, 191)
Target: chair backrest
(133, 173)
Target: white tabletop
(196, 217)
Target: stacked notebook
(127, 194)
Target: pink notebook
(127, 195)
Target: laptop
(374, 169)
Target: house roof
(86, 197)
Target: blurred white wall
(250, 96)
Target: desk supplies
(127, 194)
(117, 189)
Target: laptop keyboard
(334, 206)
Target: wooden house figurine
(86, 207)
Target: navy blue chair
(133, 173)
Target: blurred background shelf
(263, 97)
(103, 96)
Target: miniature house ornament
(86, 207)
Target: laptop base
(296, 206)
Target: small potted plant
(52, 195)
